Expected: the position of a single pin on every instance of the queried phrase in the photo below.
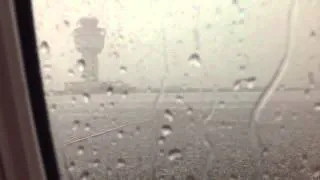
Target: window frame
(26, 150)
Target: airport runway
(186, 136)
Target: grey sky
(140, 36)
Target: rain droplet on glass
(304, 158)
(233, 177)
(94, 152)
(166, 130)
(96, 163)
(125, 94)
(102, 106)
(242, 67)
(208, 26)
(109, 171)
(80, 150)
(313, 34)
(195, 60)
(76, 125)
(47, 79)
(161, 152)
(121, 163)
(174, 154)
(168, 115)
(86, 97)
(53, 107)
(265, 152)
(189, 110)
(179, 99)
(47, 68)
(282, 128)
(237, 85)
(87, 127)
(115, 54)
(138, 129)
(307, 93)
(112, 104)
(44, 48)
(222, 104)
(123, 69)
(149, 89)
(81, 65)
(70, 72)
(84, 175)
(294, 116)
(251, 82)
(265, 176)
(190, 177)
(161, 140)
(120, 134)
(71, 166)
(235, 2)
(311, 79)
(316, 106)
(66, 23)
(110, 91)
(73, 100)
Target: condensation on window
(182, 89)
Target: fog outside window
(172, 89)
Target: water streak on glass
(264, 97)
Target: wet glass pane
(182, 89)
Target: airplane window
(192, 89)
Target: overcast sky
(154, 38)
